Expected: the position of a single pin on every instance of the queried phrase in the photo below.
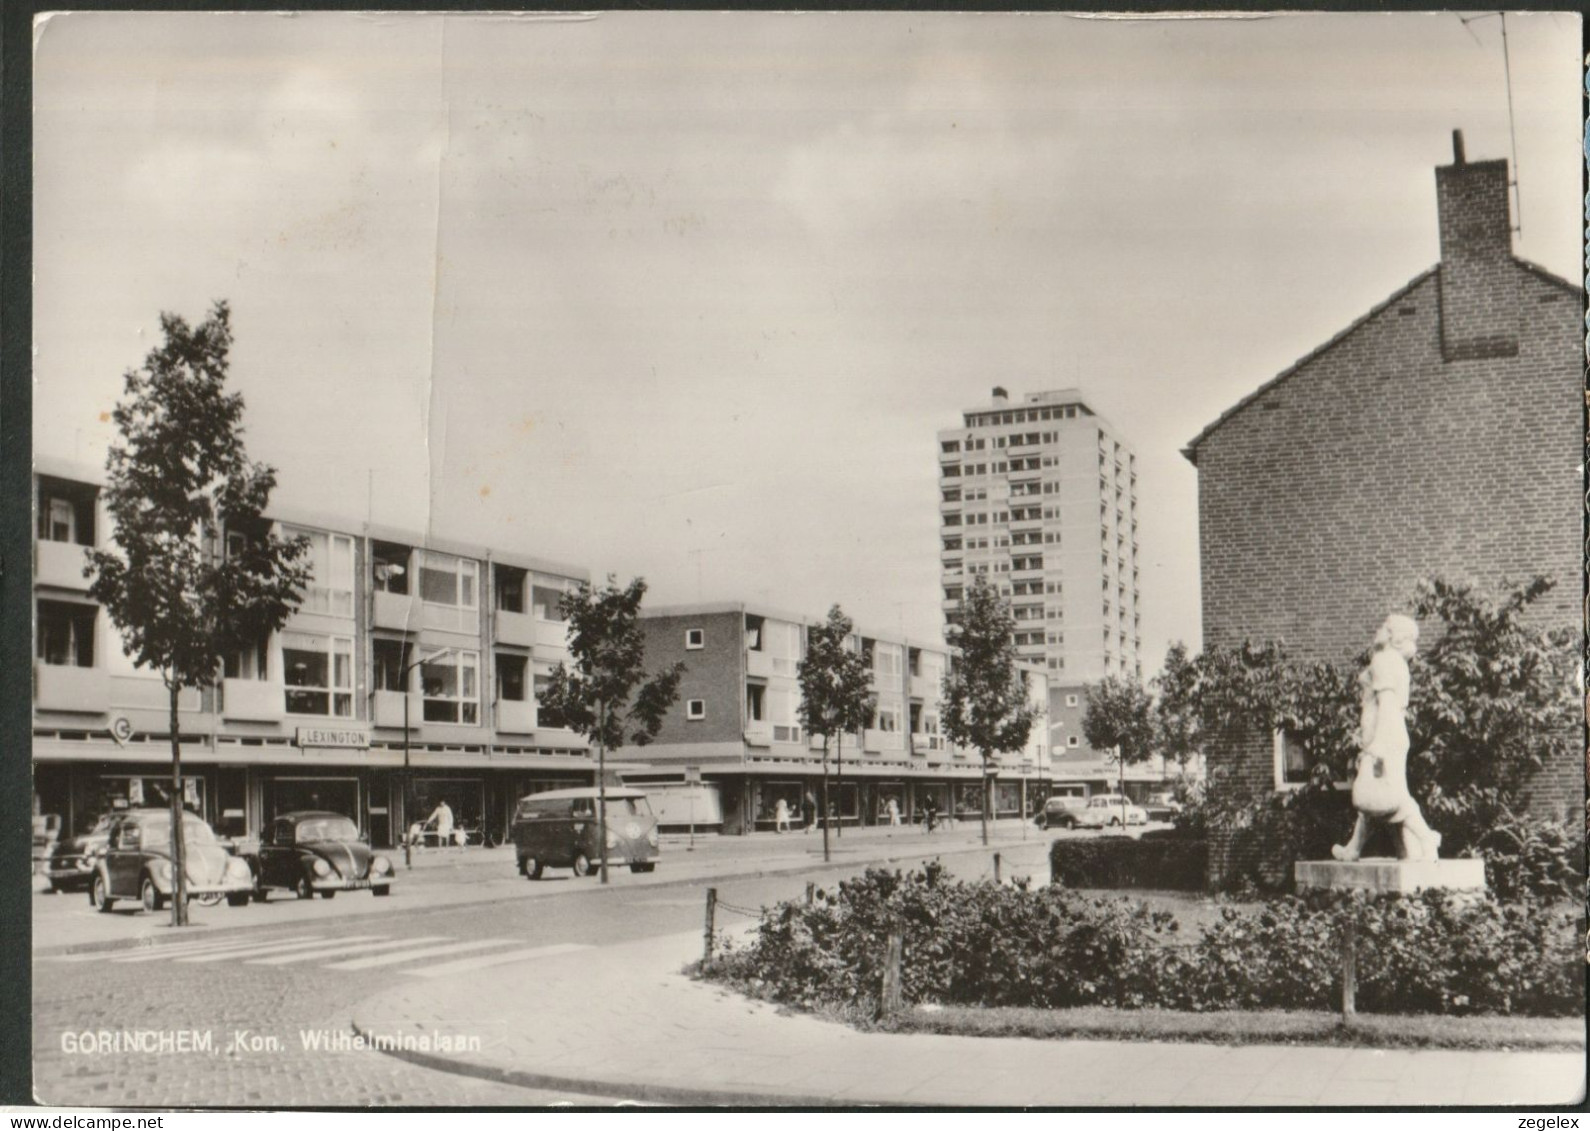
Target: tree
(1493, 699)
(984, 694)
(604, 696)
(181, 590)
(1121, 718)
(835, 691)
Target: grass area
(1418, 1031)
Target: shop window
(446, 580)
(318, 672)
(511, 678)
(451, 683)
(695, 708)
(65, 634)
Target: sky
(688, 295)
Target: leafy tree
(1493, 700)
(984, 695)
(605, 696)
(835, 691)
(178, 481)
(1120, 718)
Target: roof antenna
(1512, 129)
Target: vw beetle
(312, 852)
(136, 864)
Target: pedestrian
(781, 816)
(894, 813)
(808, 813)
(443, 817)
(930, 813)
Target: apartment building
(732, 744)
(1040, 497)
(398, 634)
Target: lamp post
(403, 682)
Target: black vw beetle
(313, 851)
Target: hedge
(1164, 863)
(985, 944)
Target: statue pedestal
(1378, 874)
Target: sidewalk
(621, 1021)
(479, 876)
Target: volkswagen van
(558, 829)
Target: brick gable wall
(1379, 461)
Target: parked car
(1061, 812)
(1161, 807)
(70, 863)
(1106, 809)
(136, 863)
(312, 852)
(559, 828)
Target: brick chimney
(1478, 315)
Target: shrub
(983, 944)
(1169, 863)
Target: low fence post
(811, 892)
(1349, 969)
(890, 1000)
(996, 867)
(707, 930)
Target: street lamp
(403, 682)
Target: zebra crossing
(422, 956)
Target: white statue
(1380, 787)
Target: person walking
(442, 817)
(781, 816)
(808, 813)
(930, 813)
(894, 813)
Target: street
(240, 994)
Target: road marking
(249, 952)
(409, 955)
(162, 953)
(341, 950)
(464, 965)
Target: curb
(144, 941)
(660, 1094)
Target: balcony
(517, 629)
(786, 732)
(84, 691)
(60, 565)
(551, 639)
(758, 663)
(882, 741)
(759, 732)
(514, 716)
(450, 618)
(924, 687)
(395, 611)
(387, 709)
(252, 700)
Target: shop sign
(342, 738)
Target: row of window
(1026, 415)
